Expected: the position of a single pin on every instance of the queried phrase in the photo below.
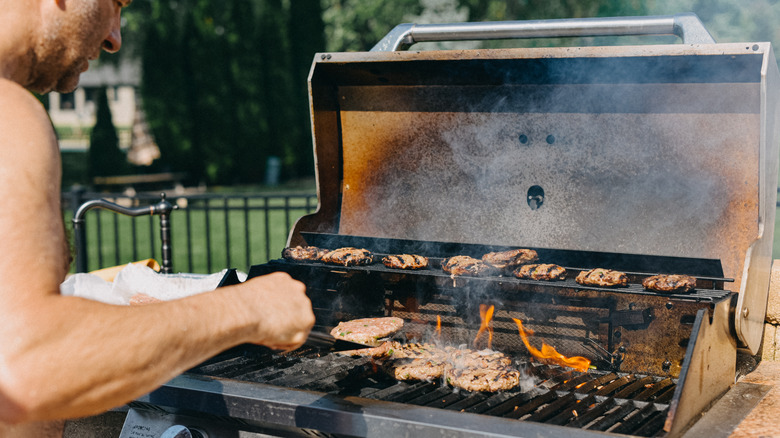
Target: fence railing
(209, 232)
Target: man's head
(72, 33)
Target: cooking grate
(600, 401)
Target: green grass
(224, 237)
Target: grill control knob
(179, 431)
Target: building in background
(73, 114)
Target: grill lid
(667, 150)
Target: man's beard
(57, 64)
(62, 80)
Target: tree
(357, 25)
(223, 90)
(105, 157)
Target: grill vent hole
(535, 197)
(523, 139)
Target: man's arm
(66, 356)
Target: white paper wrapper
(135, 279)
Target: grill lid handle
(687, 26)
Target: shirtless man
(65, 357)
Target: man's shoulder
(15, 99)
(20, 108)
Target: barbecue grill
(645, 159)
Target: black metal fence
(209, 232)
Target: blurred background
(211, 97)
(221, 86)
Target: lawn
(207, 235)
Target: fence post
(79, 234)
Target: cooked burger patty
(670, 283)
(394, 350)
(541, 272)
(405, 261)
(602, 277)
(483, 370)
(303, 253)
(472, 370)
(509, 260)
(349, 257)
(367, 330)
(428, 367)
(465, 265)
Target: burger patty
(490, 379)
(367, 330)
(465, 265)
(602, 277)
(405, 261)
(394, 349)
(670, 283)
(472, 370)
(303, 253)
(421, 368)
(541, 272)
(484, 370)
(349, 257)
(511, 259)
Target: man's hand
(284, 314)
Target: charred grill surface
(599, 401)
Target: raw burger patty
(367, 330)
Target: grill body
(647, 159)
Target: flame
(486, 315)
(549, 353)
(438, 326)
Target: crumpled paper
(139, 279)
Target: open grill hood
(664, 150)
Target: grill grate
(600, 401)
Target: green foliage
(356, 25)
(105, 158)
(223, 88)
(224, 83)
